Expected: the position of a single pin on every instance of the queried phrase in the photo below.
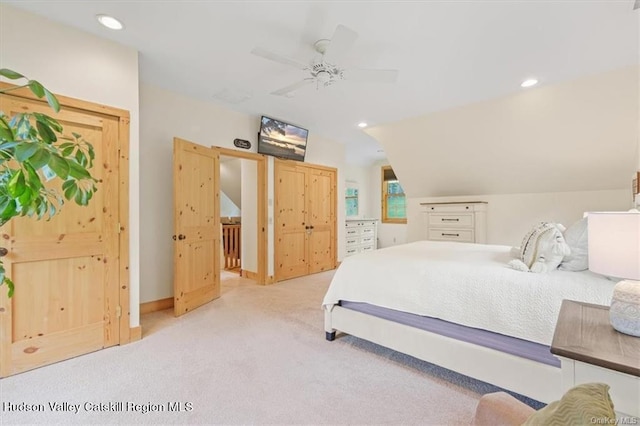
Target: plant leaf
(52, 100)
(67, 151)
(33, 180)
(9, 210)
(81, 198)
(26, 198)
(81, 158)
(71, 190)
(36, 88)
(5, 130)
(16, 185)
(46, 133)
(24, 150)
(10, 286)
(59, 165)
(11, 74)
(53, 123)
(40, 158)
(77, 171)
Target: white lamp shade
(614, 244)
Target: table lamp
(614, 251)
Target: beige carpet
(256, 355)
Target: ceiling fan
(324, 70)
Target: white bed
(467, 284)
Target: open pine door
(196, 218)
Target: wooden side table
(590, 350)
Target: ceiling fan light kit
(323, 71)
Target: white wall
(80, 65)
(579, 135)
(191, 120)
(510, 216)
(194, 120)
(230, 181)
(249, 235)
(227, 207)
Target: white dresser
(460, 221)
(361, 235)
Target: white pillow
(577, 239)
(543, 249)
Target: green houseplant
(31, 154)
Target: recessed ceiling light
(530, 82)
(110, 22)
(362, 125)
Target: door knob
(174, 238)
(182, 237)
(3, 252)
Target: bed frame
(535, 380)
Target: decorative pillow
(585, 404)
(543, 249)
(576, 238)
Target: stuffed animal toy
(542, 250)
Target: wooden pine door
(305, 219)
(290, 221)
(321, 213)
(66, 270)
(196, 170)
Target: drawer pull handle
(450, 235)
(444, 219)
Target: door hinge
(118, 311)
(119, 228)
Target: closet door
(290, 220)
(305, 219)
(67, 269)
(321, 209)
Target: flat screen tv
(281, 139)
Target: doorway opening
(242, 197)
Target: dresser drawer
(461, 235)
(367, 248)
(367, 231)
(351, 251)
(353, 241)
(352, 232)
(366, 240)
(450, 208)
(451, 220)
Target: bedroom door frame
(261, 162)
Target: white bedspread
(469, 284)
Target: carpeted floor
(255, 355)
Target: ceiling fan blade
(373, 76)
(292, 87)
(636, 5)
(342, 41)
(272, 56)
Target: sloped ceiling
(230, 179)
(578, 135)
(448, 53)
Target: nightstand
(590, 350)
